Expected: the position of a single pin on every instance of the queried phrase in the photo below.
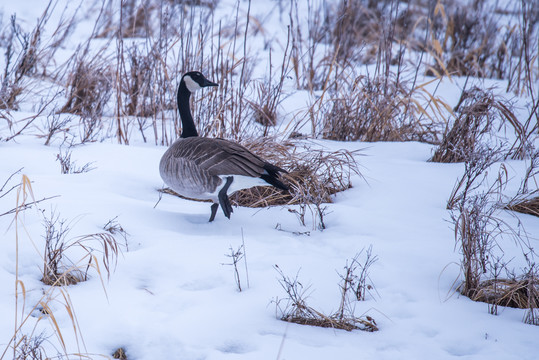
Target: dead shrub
(370, 113)
(296, 310)
(478, 113)
(89, 87)
(21, 60)
(56, 123)
(475, 38)
(366, 30)
(465, 41)
(354, 285)
(25, 51)
(376, 108)
(67, 166)
(480, 230)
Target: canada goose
(207, 168)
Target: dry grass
(120, 353)
(59, 270)
(377, 109)
(89, 85)
(481, 231)
(314, 176)
(526, 206)
(462, 42)
(508, 292)
(25, 342)
(21, 59)
(478, 115)
(296, 310)
(312, 173)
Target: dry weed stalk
(114, 228)
(58, 270)
(69, 167)
(296, 310)
(31, 347)
(357, 284)
(310, 60)
(56, 123)
(268, 94)
(236, 256)
(88, 86)
(3, 190)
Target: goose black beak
(208, 83)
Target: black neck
(188, 125)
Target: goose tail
(271, 176)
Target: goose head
(195, 81)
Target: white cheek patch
(191, 84)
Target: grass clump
(479, 115)
(58, 269)
(481, 229)
(296, 310)
(314, 176)
(120, 353)
(373, 109)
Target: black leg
(213, 211)
(223, 197)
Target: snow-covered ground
(171, 294)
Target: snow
(171, 294)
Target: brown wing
(219, 156)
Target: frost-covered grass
(430, 107)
